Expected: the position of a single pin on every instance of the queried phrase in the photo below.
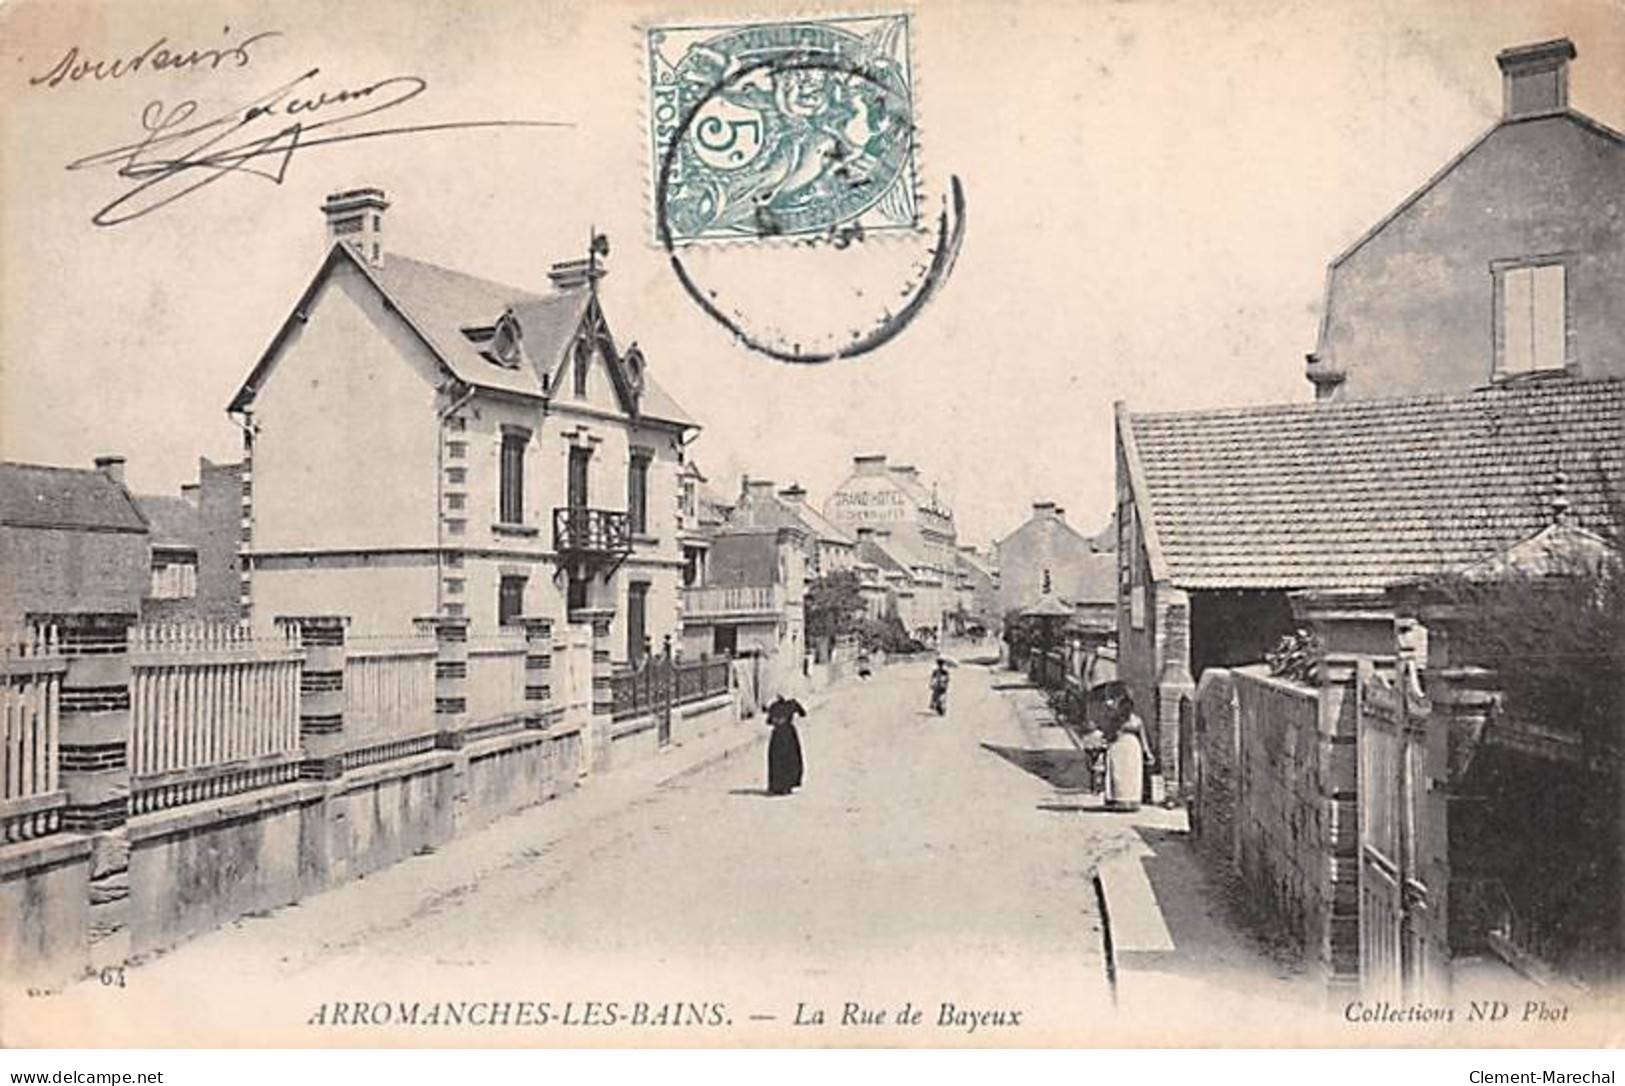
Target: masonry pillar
(95, 772)
(539, 710)
(1175, 688)
(1351, 625)
(450, 633)
(603, 694)
(324, 852)
(1463, 698)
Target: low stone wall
(637, 738)
(1276, 805)
(45, 900)
(196, 867)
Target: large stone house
(899, 507)
(762, 505)
(420, 442)
(1510, 260)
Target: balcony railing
(583, 531)
(717, 601)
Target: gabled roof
(438, 303)
(42, 496)
(173, 522)
(1369, 492)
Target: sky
(1153, 192)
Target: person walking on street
(784, 762)
(939, 687)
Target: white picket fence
(388, 690)
(30, 721)
(210, 702)
(496, 676)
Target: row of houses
(1469, 412)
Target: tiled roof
(439, 303)
(1366, 493)
(173, 522)
(442, 302)
(41, 496)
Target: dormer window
(501, 344)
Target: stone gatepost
(450, 633)
(94, 762)
(1175, 687)
(1351, 625)
(603, 693)
(538, 671)
(1464, 698)
(324, 842)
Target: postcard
(737, 524)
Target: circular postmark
(800, 134)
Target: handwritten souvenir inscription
(180, 147)
(789, 129)
(160, 56)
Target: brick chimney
(356, 217)
(569, 274)
(869, 464)
(1535, 78)
(1043, 510)
(795, 494)
(192, 493)
(112, 466)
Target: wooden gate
(1392, 729)
(573, 661)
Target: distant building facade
(73, 544)
(1510, 261)
(893, 502)
(829, 549)
(1045, 548)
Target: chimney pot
(356, 218)
(112, 466)
(1535, 78)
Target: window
(174, 577)
(637, 492)
(510, 600)
(1531, 327)
(583, 362)
(576, 492)
(576, 597)
(512, 510)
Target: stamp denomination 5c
(782, 129)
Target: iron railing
(599, 532)
(641, 690)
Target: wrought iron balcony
(598, 533)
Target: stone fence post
(1351, 625)
(94, 766)
(603, 693)
(450, 677)
(321, 693)
(538, 671)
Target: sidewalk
(395, 897)
(1176, 932)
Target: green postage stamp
(789, 129)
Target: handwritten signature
(179, 154)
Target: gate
(1391, 735)
(573, 660)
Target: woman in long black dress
(784, 749)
